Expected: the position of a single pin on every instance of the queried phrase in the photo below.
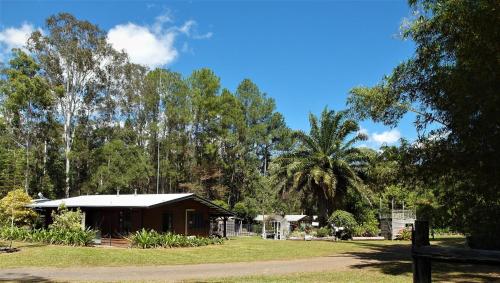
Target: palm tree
(325, 162)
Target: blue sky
(306, 55)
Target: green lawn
(234, 250)
(320, 277)
(440, 274)
(393, 265)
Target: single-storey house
(121, 214)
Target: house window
(167, 222)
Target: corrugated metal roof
(294, 217)
(129, 200)
(289, 217)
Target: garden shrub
(369, 228)
(66, 229)
(51, 236)
(404, 234)
(358, 231)
(66, 220)
(341, 218)
(305, 227)
(366, 230)
(146, 239)
(323, 232)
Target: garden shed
(279, 227)
(396, 220)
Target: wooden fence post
(421, 265)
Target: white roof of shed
(294, 217)
(289, 217)
(128, 200)
(268, 217)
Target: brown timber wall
(153, 217)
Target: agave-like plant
(324, 162)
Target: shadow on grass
(454, 242)
(22, 277)
(389, 259)
(396, 259)
(26, 245)
(465, 272)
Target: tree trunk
(67, 149)
(322, 209)
(26, 171)
(338, 199)
(28, 134)
(44, 157)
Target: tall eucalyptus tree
(73, 55)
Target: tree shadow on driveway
(389, 259)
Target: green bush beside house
(146, 239)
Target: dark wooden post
(421, 265)
(110, 228)
(224, 233)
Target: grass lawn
(320, 277)
(234, 250)
(440, 273)
(393, 261)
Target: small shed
(276, 226)
(296, 220)
(396, 220)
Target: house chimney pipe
(135, 192)
(117, 192)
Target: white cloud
(203, 36)
(375, 140)
(387, 137)
(186, 27)
(13, 37)
(189, 28)
(154, 45)
(143, 45)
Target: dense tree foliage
(13, 209)
(451, 83)
(78, 118)
(324, 162)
